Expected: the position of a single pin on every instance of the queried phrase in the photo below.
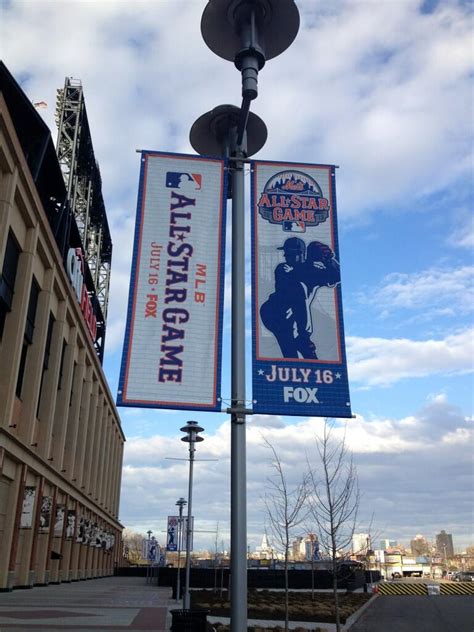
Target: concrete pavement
(110, 604)
(117, 604)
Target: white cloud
(381, 361)
(266, 421)
(405, 466)
(434, 290)
(463, 234)
(391, 98)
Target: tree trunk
(336, 594)
(286, 591)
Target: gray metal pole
(238, 446)
(186, 602)
(180, 531)
(148, 558)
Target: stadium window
(7, 278)
(72, 383)
(28, 336)
(47, 354)
(21, 370)
(61, 366)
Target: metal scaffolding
(84, 185)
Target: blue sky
(382, 89)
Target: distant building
(387, 544)
(444, 545)
(265, 551)
(360, 543)
(312, 548)
(299, 549)
(420, 546)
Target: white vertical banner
(172, 349)
(26, 519)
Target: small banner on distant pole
(299, 362)
(177, 534)
(172, 349)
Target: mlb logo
(290, 226)
(184, 181)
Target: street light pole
(235, 30)
(191, 429)
(148, 572)
(215, 133)
(180, 503)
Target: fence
(349, 578)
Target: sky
(383, 89)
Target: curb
(355, 617)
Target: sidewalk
(95, 605)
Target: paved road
(413, 613)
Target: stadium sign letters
(299, 363)
(172, 349)
(75, 271)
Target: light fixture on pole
(247, 32)
(148, 573)
(191, 429)
(180, 503)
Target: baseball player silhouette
(320, 269)
(285, 308)
(287, 311)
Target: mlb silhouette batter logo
(183, 180)
(287, 311)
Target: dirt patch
(267, 604)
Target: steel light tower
(192, 437)
(247, 32)
(180, 504)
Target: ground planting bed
(267, 604)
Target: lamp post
(148, 572)
(180, 503)
(191, 429)
(247, 32)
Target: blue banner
(298, 352)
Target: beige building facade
(61, 442)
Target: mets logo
(294, 200)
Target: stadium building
(61, 443)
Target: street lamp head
(181, 502)
(192, 429)
(212, 133)
(248, 32)
(228, 28)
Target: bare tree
(313, 551)
(367, 551)
(334, 500)
(132, 543)
(286, 510)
